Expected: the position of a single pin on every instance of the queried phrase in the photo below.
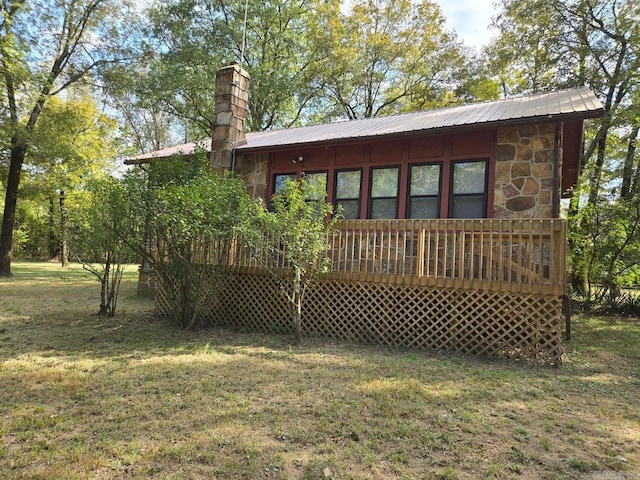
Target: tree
(45, 47)
(532, 51)
(146, 128)
(608, 252)
(106, 239)
(72, 143)
(613, 37)
(296, 231)
(192, 217)
(386, 56)
(196, 37)
(477, 83)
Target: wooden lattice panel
(493, 324)
(162, 298)
(252, 302)
(203, 297)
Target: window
(468, 190)
(383, 200)
(280, 179)
(424, 191)
(319, 180)
(348, 187)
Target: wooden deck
(482, 287)
(519, 256)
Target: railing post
(420, 254)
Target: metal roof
(573, 103)
(183, 149)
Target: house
(452, 238)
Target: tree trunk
(635, 185)
(596, 177)
(53, 246)
(626, 191)
(296, 307)
(64, 253)
(104, 288)
(116, 277)
(18, 152)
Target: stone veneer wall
(524, 172)
(230, 114)
(252, 169)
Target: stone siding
(524, 172)
(146, 283)
(252, 169)
(230, 114)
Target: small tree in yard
(296, 231)
(104, 242)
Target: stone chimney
(229, 115)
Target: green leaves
(606, 246)
(189, 201)
(386, 56)
(194, 39)
(192, 217)
(296, 231)
(72, 140)
(308, 61)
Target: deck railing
(527, 256)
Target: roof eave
(247, 149)
(144, 160)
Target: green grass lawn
(133, 397)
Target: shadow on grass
(91, 397)
(223, 404)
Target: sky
(470, 18)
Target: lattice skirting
(486, 323)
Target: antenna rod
(244, 41)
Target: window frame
(305, 174)
(371, 198)
(291, 175)
(485, 193)
(438, 197)
(337, 199)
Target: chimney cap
(234, 66)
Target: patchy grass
(132, 397)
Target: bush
(193, 216)
(607, 301)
